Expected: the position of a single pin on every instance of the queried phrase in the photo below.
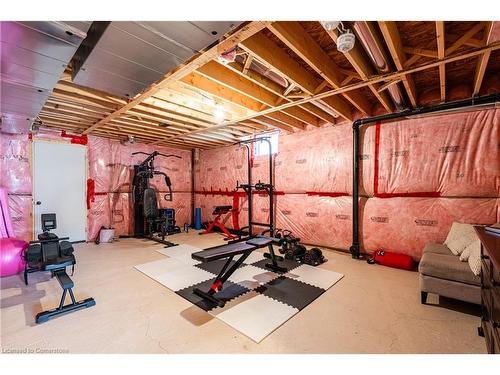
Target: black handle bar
(156, 153)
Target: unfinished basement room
(186, 181)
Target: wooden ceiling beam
(482, 62)
(73, 109)
(227, 77)
(377, 79)
(465, 37)
(357, 58)
(278, 90)
(441, 45)
(421, 51)
(265, 120)
(472, 42)
(254, 125)
(168, 115)
(162, 114)
(248, 62)
(46, 119)
(69, 114)
(205, 84)
(76, 106)
(94, 93)
(299, 41)
(203, 102)
(393, 41)
(270, 53)
(151, 134)
(199, 60)
(62, 93)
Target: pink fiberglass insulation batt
(323, 221)
(20, 207)
(450, 156)
(15, 163)
(405, 225)
(111, 167)
(6, 229)
(455, 155)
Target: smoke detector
(330, 25)
(345, 41)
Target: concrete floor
(373, 309)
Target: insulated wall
(15, 171)
(110, 167)
(417, 176)
(111, 170)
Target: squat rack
(248, 187)
(356, 125)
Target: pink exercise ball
(11, 256)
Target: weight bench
(218, 212)
(230, 251)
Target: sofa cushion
(447, 267)
(475, 257)
(437, 248)
(464, 257)
(459, 237)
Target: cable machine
(147, 217)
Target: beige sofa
(443, 273)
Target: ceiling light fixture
(219, 113)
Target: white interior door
(59, 186)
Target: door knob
(38, 203)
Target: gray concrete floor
(373, 309)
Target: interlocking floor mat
(258, 301)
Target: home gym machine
(148, 218)
(54, 254)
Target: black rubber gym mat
(230, 291)
(215, 266)
(291, 292)
(288, 264)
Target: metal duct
(375, 51)
(129, 56)
(33, 58)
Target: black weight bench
(230, 251)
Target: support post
(193, 196)
(476, 102)
(355, 252)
